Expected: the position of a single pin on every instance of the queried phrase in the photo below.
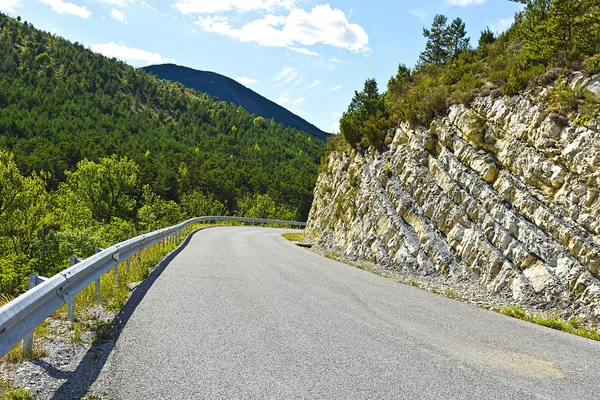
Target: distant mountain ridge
(227, 89)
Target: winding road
(241, 313)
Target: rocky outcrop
(503, 195)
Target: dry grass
(294, 236)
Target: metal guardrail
(19, 317)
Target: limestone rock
(502, 193)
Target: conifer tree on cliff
(444, 42)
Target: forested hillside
(93, 150)
(227, 89)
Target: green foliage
(573, 325)
(107, 188)
(61, 104)
(546, 34)
(119, 150)
(366, 117)
(198, 204)
(294, 236)
(563, 99)
(435, 52)
(566, 100)
(156, 212)
(444, 42)
(263, 206)
(8, 391)
(422, 102)
(486, 37)
(592, 64)
(559, 33)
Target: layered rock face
(502, 194)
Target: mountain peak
(227, 89)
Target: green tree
(456, 40)
(436, 49)
(263, 206)
(199, 204)
(24, 219)
(444, 43)
(365, 118)
(156, 212)
(486, 37)
(107, 188)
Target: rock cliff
(502, 195)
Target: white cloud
(304, 51)
(315, 84)
(129, 54)
(465, 3)
(323, 25)
(338, 61)
(120, 3)
(212, 6)
(501, 25)
(246, 81)
(419, 13)
(62, 7)
(9, 5)
(287, 76)
(119, 16)
(284, 99)
(336, 88)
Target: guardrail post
(98, 250)
(28, 339)
(127, 266)
(71, 302)
(116, 270)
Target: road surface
(240, 313)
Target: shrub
(592, 64)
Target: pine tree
(436, 52)
(486, 37)
(456, 40)
(444, 42)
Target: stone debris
(502, 195)
(70, 366)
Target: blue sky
(307, 55)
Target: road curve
(241, 313)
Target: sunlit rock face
(503, 194)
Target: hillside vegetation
(227, 89)
(548, 38)
(93, 150)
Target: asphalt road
(242, 313)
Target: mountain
(227, 89)
(93, 150)
(61, 103)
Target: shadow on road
(81, 379)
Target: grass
(449, 293)
(76, 335)
(333, 256)
(574, 325)
(294, 236)
(15, 355)
(8, 391)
